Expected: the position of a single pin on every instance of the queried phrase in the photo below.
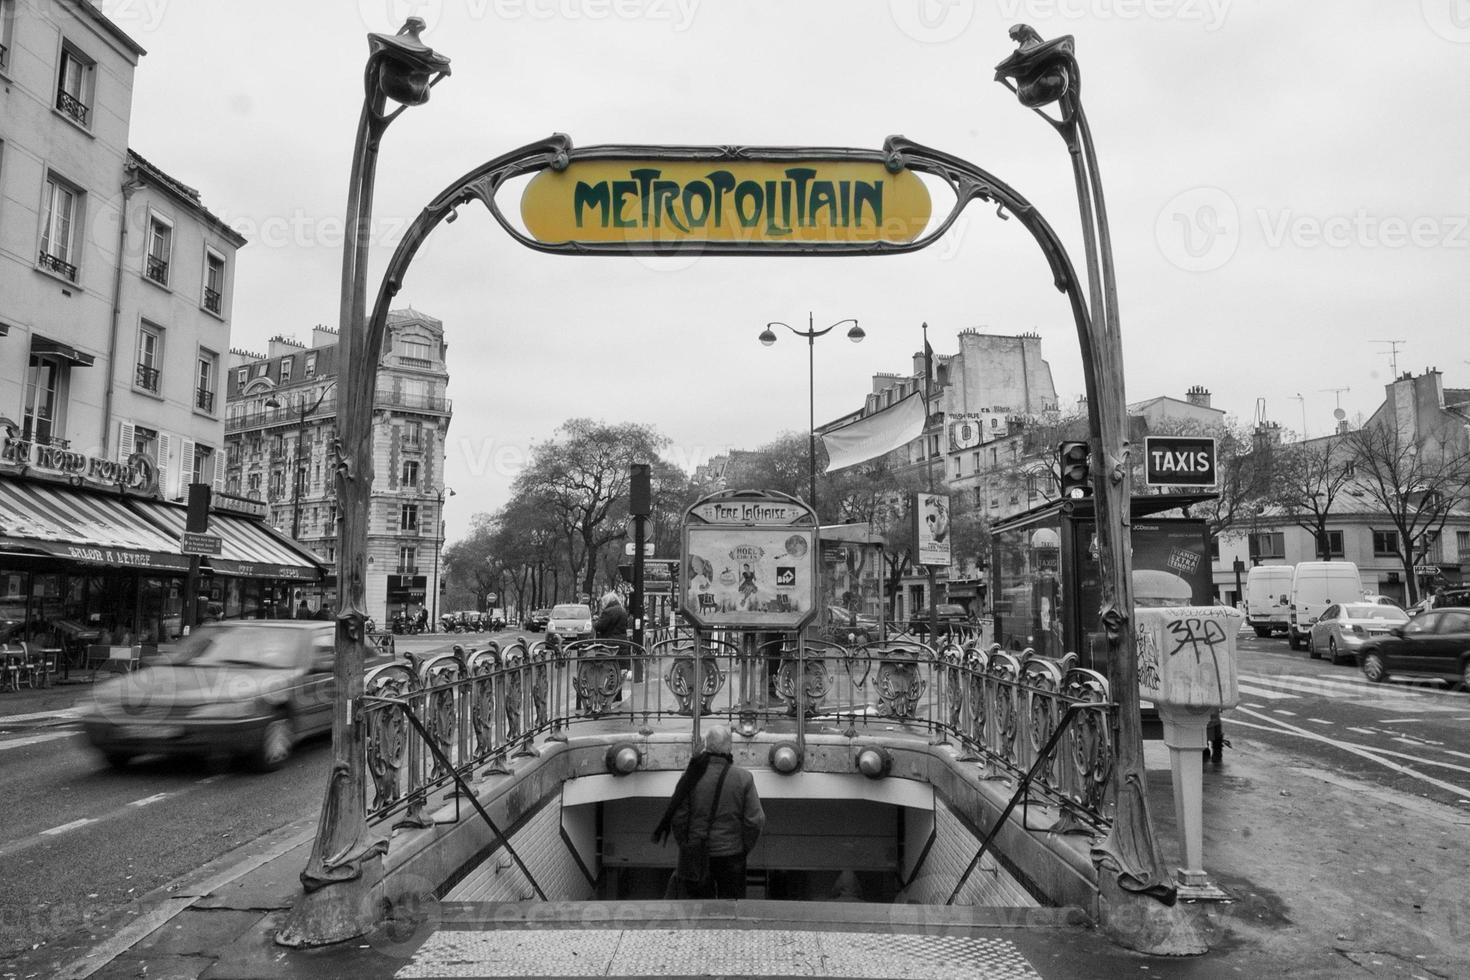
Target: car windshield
(1390, 613)
(571, 612)
(241, 646)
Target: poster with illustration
(750, 577)
(931, 536)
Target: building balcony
(147, 378)
(408, 570)
(58, 265)
(157, 270)
(285, 416)
(204, 400)
(213, 302)
(72, 106)
(416, 362)
(437, 404)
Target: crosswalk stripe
(1261, 692)
(1307, 685)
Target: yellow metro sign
(669, 202)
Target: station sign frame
(749, 560)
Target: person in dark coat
(612, 624)
(737, 819)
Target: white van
(1315, 586)
(1267, 592)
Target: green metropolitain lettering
(800, 200)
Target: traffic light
(1076, 475)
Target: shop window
(1385, 544)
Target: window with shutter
(125, 438)
(186, 466)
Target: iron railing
(72, 106)
(1001, 710)
(55, 263)
(157, 270)
(147, 378)
(212, 300)
(204, 399)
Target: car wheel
(1373, 668)
(1332, 654)
(275, 744)
(1312, 650)
(118, 760)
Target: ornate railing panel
(482, 707)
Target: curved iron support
(1041, 72)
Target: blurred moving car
(1432, 644)
(843, 623)
(1342, 629)
(250, 689)
(570, 621)
(536, 621)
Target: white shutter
(125, 436)
(219, 469)
(186, 467)
(164, 482)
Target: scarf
(690, 778)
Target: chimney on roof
(1198, 395)
(323, 336)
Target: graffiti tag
(1196, 633)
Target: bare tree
(1308, 478)
(1416, 481)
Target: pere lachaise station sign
(749, 559)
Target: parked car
(1443, 599)
(244, 688)
(841, 623)
(570, 621)
(1343, 628)
(1432, 644)
(536, 621)
(948, 614)
(1315, 586)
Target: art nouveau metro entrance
(903, 712)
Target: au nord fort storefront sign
(138, 474)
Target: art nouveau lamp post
(1043, 72)
(346, 858)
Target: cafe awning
(248, 548)
(92, 528)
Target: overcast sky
(1289, 185)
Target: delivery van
(1315, 586)
(1267, 596)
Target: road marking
(1363, 731)
(21, 743)
(150, 799)
(1261, 692)
(1462, 755)
(1258, 707)
(1319, 721)
(69, 826)
(1282, 711)
(1363, 751)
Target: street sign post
(191, 543)
(629, 549)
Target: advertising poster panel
(759, 573)
(931, 517)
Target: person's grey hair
(717, 739)
(611, 599)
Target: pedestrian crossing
(1275, 688)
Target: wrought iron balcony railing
(72, 106)
(57, 264)
(157, 270)
(212, 300)
(204, 400)
(147, 378)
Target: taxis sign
(670, 202)
(1179, 461)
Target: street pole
(345, 864)
(438, 543)
(929, 473)
(1138, 893)
(767, 338)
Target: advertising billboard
(931, 529)
(749, 562)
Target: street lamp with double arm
(768, 337)
(438, 543)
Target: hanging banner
(882, 432)
(673, 201)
